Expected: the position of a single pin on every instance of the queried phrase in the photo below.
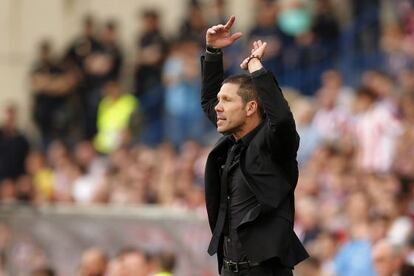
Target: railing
(61, 233)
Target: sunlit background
(103, 141)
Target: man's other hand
(253, 62)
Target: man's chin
(221, 130)
(224, 131)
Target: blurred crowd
(349, 85)
(95, 262)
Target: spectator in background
(366, 18)
(307, 226)
(112, 57)
(8, 191)
(64, 171)
(406, 82)
(332, 80)
(194, 24)
(46, 271)
(133, 262)
(404, 164)
(397, 57)
(376, 131)
(78, 59)
(90, 187)
(383, 86)
(304, 58)
(325, 250)
(304, 112)
(51, 87)
(265, 29)
(352, 260)
(166, 261)
(387, 259)
(83, 45)
(365, 231)
(114, 268)
(101, 66)
(183, 117)
(151, 53)
(217, 12)
(325, 26)
(310, 267)
(24, 189)
(114, 114)
(93, 263)
(87, 157)
(14, 146)
(41, 175)
(331, 120)
(151, 49)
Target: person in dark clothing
(88, 57)
(14, 146)
(152, 48)
(111, 51)
(265, 29)
(51, 87)
(326, 29)
(83, 45)
(366, 18)
(251, 173)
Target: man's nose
(218, 107)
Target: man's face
(230, 109)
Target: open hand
(257, 52)
(219, 36)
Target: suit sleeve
(281, 137)
(211, 79)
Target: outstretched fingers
(236, 36)
(230, 22)
(258, 46)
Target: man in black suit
(251, 173)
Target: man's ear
(251, 108)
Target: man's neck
(246, 129)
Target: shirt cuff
(213, 57)
(259, 72)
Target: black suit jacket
(268, 166)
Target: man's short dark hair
(247, 90)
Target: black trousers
(267, 268)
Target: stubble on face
(230, 110)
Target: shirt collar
(245, 140)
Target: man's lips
(220, 119)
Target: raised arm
(217, 38)
(278, 115)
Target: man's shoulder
(221, 144)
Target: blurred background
(103, 142)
